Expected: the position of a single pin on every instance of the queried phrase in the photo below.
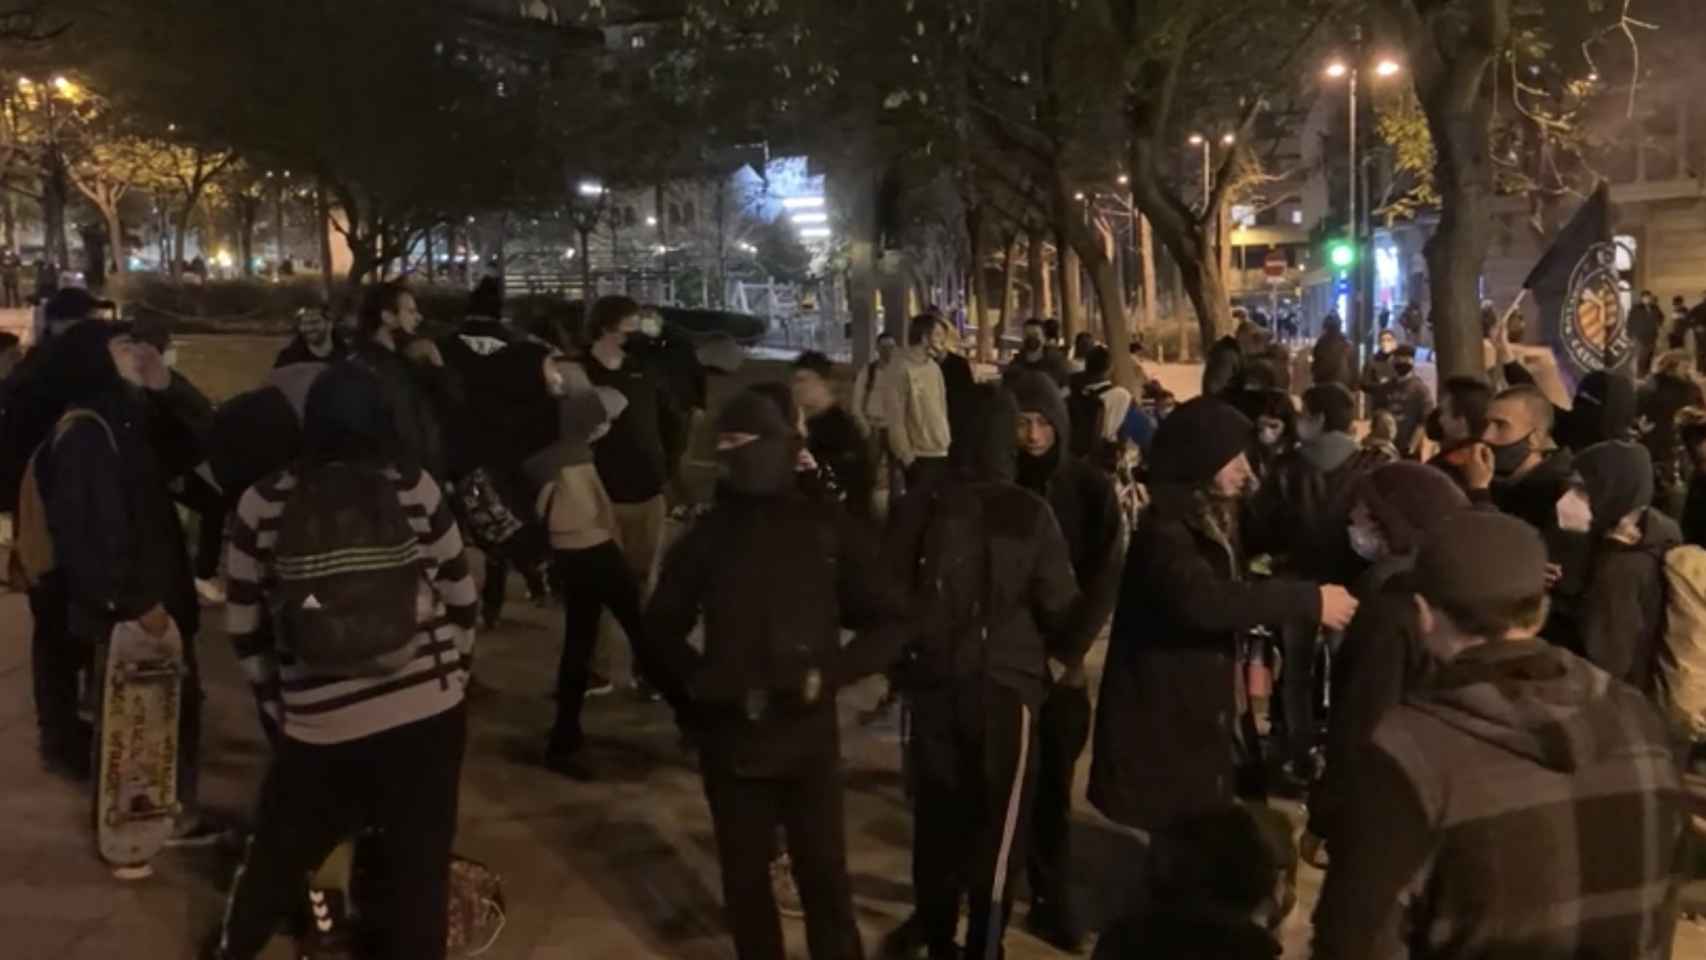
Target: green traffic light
(1341, 254)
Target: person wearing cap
(316, 340)
(1001, 617)
(1390, 510)
(1520, 801)
(1621, 616)
(760, 699)
(1169, 723)
(1087, 508)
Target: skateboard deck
(136, 790)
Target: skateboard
(136, 788)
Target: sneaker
(599, 685)
(785, 889)
(210, 593)
(197, 830)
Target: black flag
(1577, 288)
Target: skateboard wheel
(139, 871)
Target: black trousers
(402, 784)
(746, 813)
(527, 552)
(591, 581)
(55, 659)
(975, 761)
(1063, 730)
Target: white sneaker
(784, 888)
(210, 593)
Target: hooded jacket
(1084, 504)
(1622, 617)
(1522, 803)
(762, 691)
(1331, 359)
(415, 395)
(994, 594)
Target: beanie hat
(1475, 557)
(1037, 393)
(752, 411)
(347, 417)
(1196, 440)
(1618, 478)
(487, 300)
(1407, 500)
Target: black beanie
(487, 300)
(1618, 477)
(1407, 500)
(1196, 440)
(1477, 557)
(1038, 393)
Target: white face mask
(1575, 513)
(1309, 428)
(1367, 543)
(1269, 436)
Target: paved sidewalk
(621, 869)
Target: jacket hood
(1531, 699)
(1329, 451)
(988, 453)
(1659, 532)
(1618, 477)
(1037, 393)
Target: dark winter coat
(1694, 512)
(834, 439)
(1050, 363)
(1656, 405)
(416, 394)
(1645, 322)
(1533, 497)
(1522, 803)
(775, 580)
(1622, 614)
(115, 528)
(1381, 657)
(296, 351)
(1331, 360)
(1167, 717)
(993, 593)
(631, 458)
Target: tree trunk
(53, 200)
(1009, 289)
(9, 220)
(977, 292)
(1146, 253)
(1037, 272)
(323, 221)
(246, 216)
(115, 238)
(180, 232)
(1071, 293)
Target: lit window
(637, 41)
(1297, 217)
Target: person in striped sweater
(363, 753)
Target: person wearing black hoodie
(999, 614)
(1621, 619)
(1185, 601)
(116, 535)
(760, 700)
(1087, 509)
(1670, 389)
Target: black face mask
(635, 342)
(1033, 344)
(1508, 458)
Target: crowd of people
(1456, 637)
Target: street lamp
(1351, 70)
(584, 213)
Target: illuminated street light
(1196, 140)
(1350, 69)
(25, 83)
(1386, 68)
(1228, 140)
(591, 188)
(63, 85)
(1124, 180)
(1079, 196)
(1337, 70)
(811, 217)
(803, 203)
(651, 221)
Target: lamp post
(586, 209)
(1351, 71)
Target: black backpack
(348, 572)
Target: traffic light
(1341, 254)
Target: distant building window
(1297, 218)
(637, 42)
